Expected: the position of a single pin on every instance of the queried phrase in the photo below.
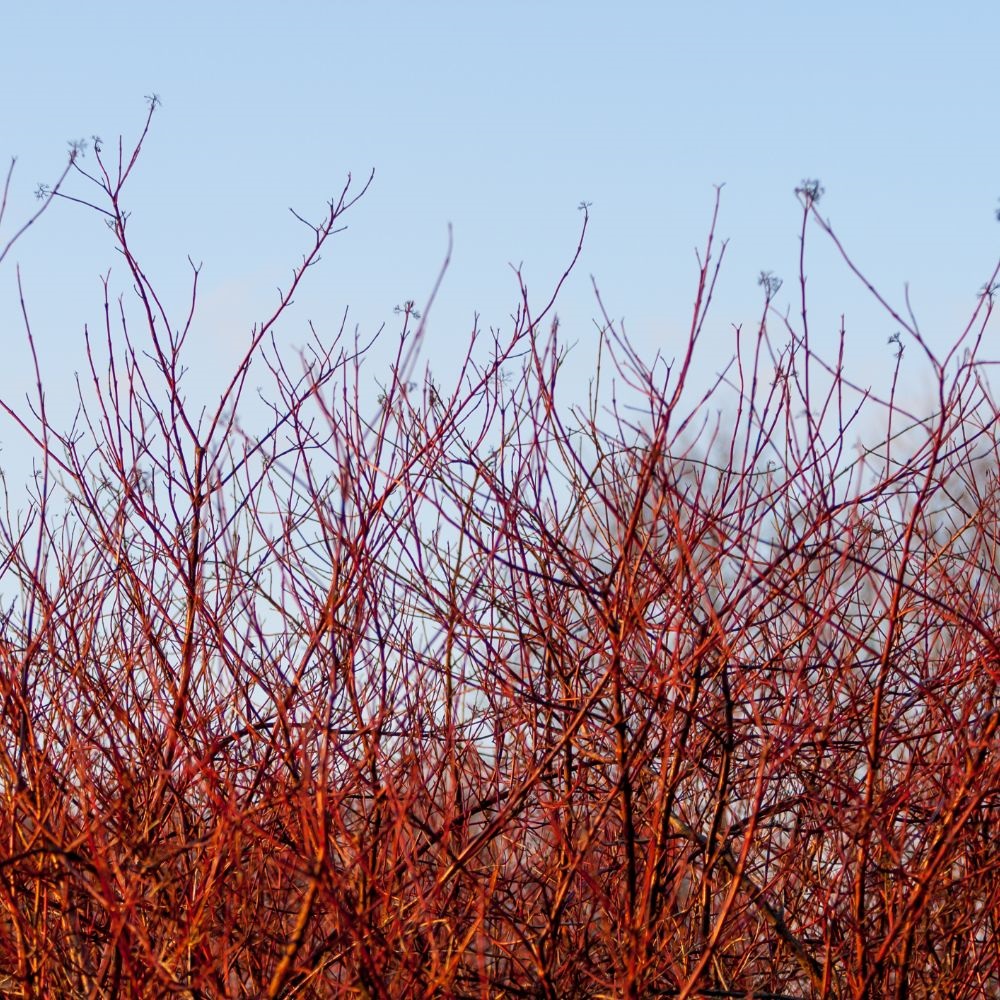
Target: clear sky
(499, 118)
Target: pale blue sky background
(499, 118)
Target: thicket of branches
(471, 692)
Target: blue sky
(499, 119)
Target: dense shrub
(469, 691)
